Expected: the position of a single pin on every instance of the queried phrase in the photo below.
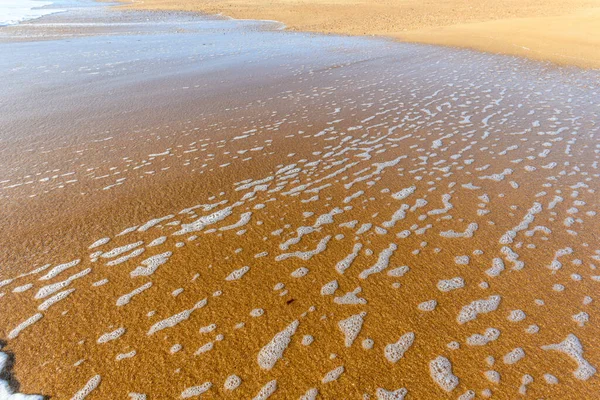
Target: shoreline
(567, 35)
(14, 14)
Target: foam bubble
(447, 285)
(382, 262)
(28, 322)
(238, 273)
(273, 351)
(471, 311)
(175, 319)
(572, 347)
(351, 327)
(89, 387)
(267, 390)
(395, 351)
(333, 375)
(427, 306)
(343, 265)
(489, 335)
(514, 356)
(114, 335)
(232, 382)
(151, 264)
(350, 298)
(492, 376)
(398, 394)
(196, 391)
(329, 288)
(58, 269)
(126, 298)
(99, 243)
(440, 370)
(55, 299)
(311, 394)
(517, 316)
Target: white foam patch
(99, 242)
(151, 264)
(267, 390)
(509, 236)
(196, 391)
(440, 370)
(175, 319)
(125, 258)
(125, 356)
(572, 347)
(122, 249)
(306, 255)
(468, 395)
(346, 263)
(395, 351)
(514, 356)
(428, 305)
(153, 222)
(382, 262)
(404, 193)
(158, 241)
(25, 324)
(55, 299)
(58, 269)
(110, 336)
(492, 376)
(244, 219)
(517, 316)
(398, 215)
(471, 311)
(329, 288)
(351, 327)
(489, 335)
(311, 394)
(204, 221)
(232, 382)
(447, 285)
(333, 375)
(89, 387)
(398, 272)
(126, 298)
(468, 233)
(398, 394)
(237, 274)
(273, 351)
(496, 268)
(351, 298)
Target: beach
(193, 206)
(563, 32)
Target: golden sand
(565, 32)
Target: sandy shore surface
(565, 32)
(210, 208)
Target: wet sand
(187, 199)
(563, 32)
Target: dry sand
(565, 32)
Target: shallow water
(15, 11)
(185, 199)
